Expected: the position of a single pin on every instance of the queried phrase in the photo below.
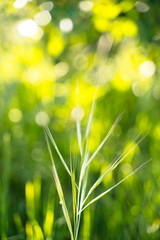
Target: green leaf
(74, 193)
(91, 114)
(113, 166)
(108, 190)
(105, 139)
(78, 121)
(56, 148)
(59, 190)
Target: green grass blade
(108, 190)
(112, 167)
(56, 148)
(80, 203)
(59, 190)
(84, 188)
(74, 196)
(105, 139)
(81, 192)
(92, 109)
(85, 155)
(91, 115)
(127, 152)
(79, 136)
(84, 159)
(74, 193)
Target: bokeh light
(147, 69)
(86, 6)
(77, 113)
(43, 18)
(66, 25)
(42, 118)
(15, 115)
(28, 28)
(141, 6)
(46, 48)
(19, 3)
(61, 69)
(47, 6)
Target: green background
(118, 40)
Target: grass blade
(80, 202)
(77, 120)
(91, 114)
(84, 188)
(105, 139)
(84, 159)
(79, 136)
(74, 193)
(74, 196)
(56, 148)
(59, 190)
(112, 167)
(108, 190)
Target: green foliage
(41, 61)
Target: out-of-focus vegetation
(45, 47)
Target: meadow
(80, 120)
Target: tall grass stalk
(4, 197)
(79, 195)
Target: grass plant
(4, 189)
(80, 195)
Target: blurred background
(45, 47)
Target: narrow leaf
(56, 148)
(73, 185)
(105, 139)
(84, 159)
(59, 190)
(108, 190)
(79, 136)
(91, 114)
(112, 167)
(84, 188)
(78, 121)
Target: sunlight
(28, 28)
(61, 69)
(15, 115)
(66, 25)
(47, 6)
(19, 3)
(79, 80)
(42, 118)
(35, 77)
(137, 89)
(142, 7)
(77, 113)
(86, 6)
(43, 18)
(147, 69)
(153, 228)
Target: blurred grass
(38, 80)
